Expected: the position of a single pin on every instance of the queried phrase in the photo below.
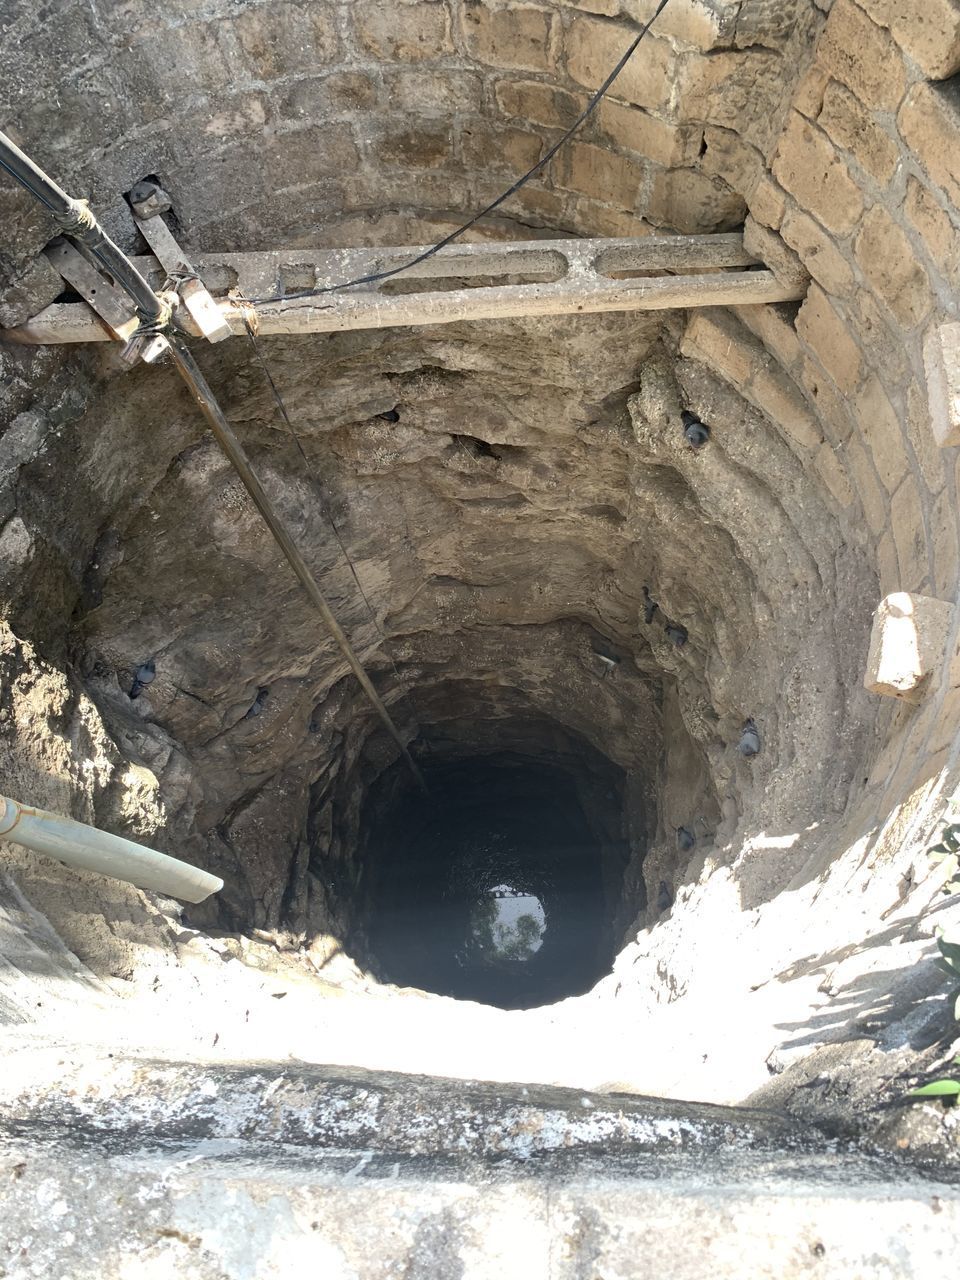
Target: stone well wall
(360, 117)
(535, 482)
(860, 187)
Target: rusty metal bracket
(110, 304)
(144, 340)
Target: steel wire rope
(377, 276)
(403, 685)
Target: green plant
(947, 852)
(948, 1090)
(945, 1089)
(949, 962)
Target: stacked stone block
(319, 117)
(835, 127)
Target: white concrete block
(941, 359)
(908, 643)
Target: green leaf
(937, 1089)
(950, 952)
(956, 1014)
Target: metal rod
(78, 222)
(189, 371)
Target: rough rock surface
(484, 505)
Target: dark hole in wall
(494, 887)
(479, 448)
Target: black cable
(495, 204)
(278, 399)
(282, 410)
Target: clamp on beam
(149, 202)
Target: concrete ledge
(908, 642)
(768, 247)
(941, 359)
(129, 1167)
(236, 1210)
(347, 1108)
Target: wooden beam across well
(461, 282)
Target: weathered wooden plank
(61, 322)
(333, 312)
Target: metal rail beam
(463, 282)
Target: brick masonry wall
(325, 122)
(863, 186)
(311, 121)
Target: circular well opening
(492, 887)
